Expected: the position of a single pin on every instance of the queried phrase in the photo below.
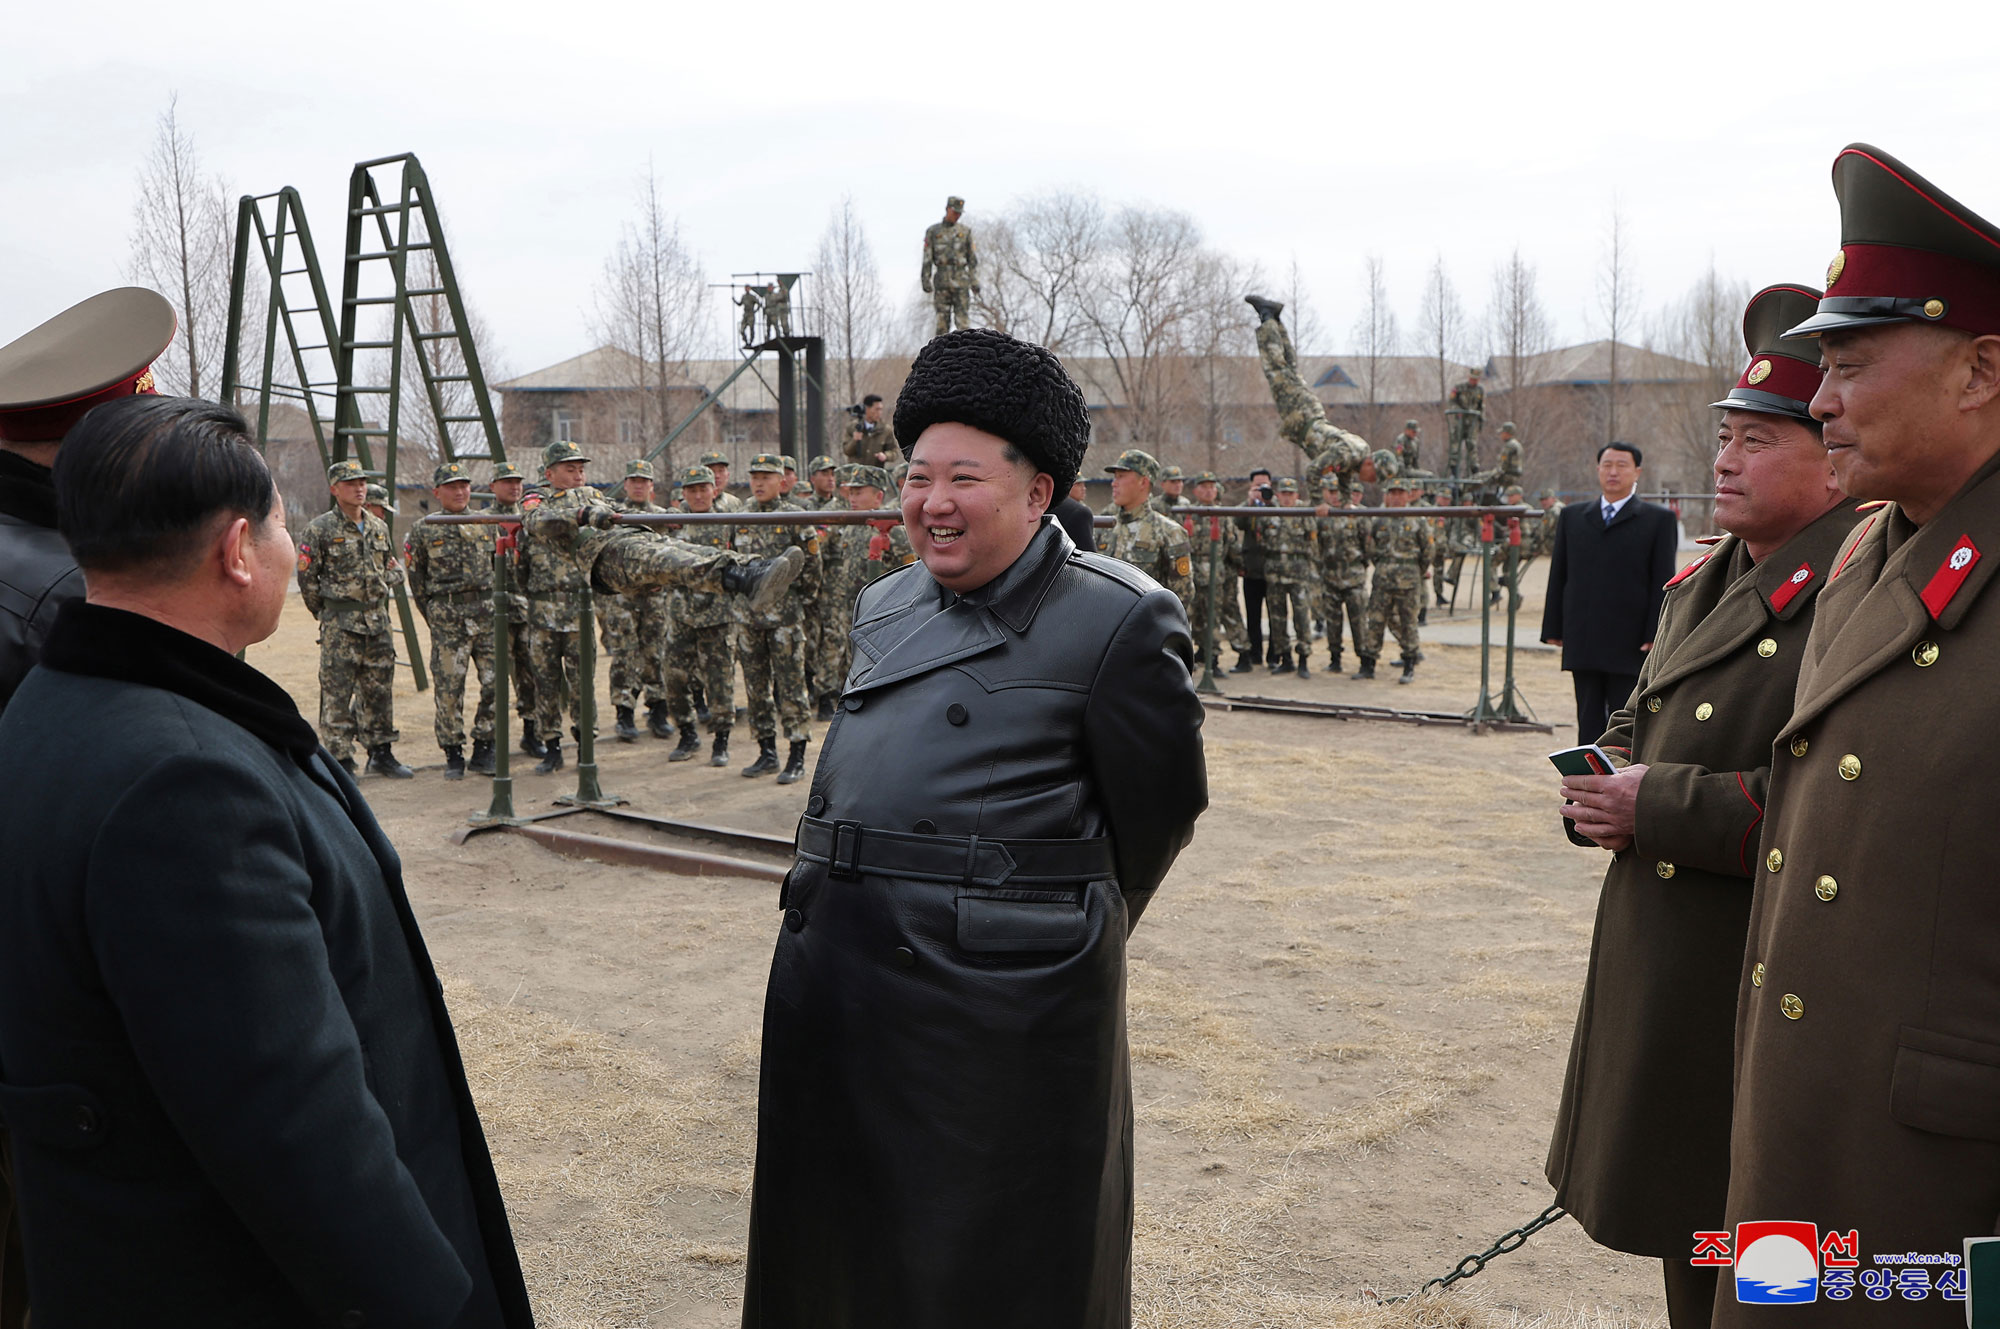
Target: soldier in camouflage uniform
(826, 633)
(771, 644)
(1170, 496)
(1343, 565)
(508, 485)
(1301, 417)
(850, 558)
(1465, 415)
(778, 305)
(633, 630)
(950, 272)
(719, 465)
(451, 579)
(702, 652)
(555, 587)
(747, 329)
(1154, 544)
(1539, 537)
(1401, 548)
(823, 478)
(1506, 468)
(347, 567)
(1213, 538)
(1408, 447)
(1291, 573)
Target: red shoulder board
(1873, 504)
(1951, 575)
(1687, 571)
(1709, 539)
(1793, 585)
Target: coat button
(1664, 869)
(1799, 746)
(925, 827)
(851, 703)
(905, 958)
(1767, 647)
(1653, 704)
(1791, 1006)
(1757, 974)
(1703, 711)
(1850, 767)
(815, 805)
(1826, 888)
(794, 920)
(955, 713)
(1775, 859)
(1925, 653)
(86, 1119)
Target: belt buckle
(850, 868)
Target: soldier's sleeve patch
(812, 544)
(1183, 566)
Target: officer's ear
(1041, 493)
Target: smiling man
(1641, 1147)
(1868, 1028)
(944, 1125)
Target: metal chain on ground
(1513, 1240)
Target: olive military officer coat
(1640, 1153)
(1868, 1025)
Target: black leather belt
(353, 606)
(851, 850)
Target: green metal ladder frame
(288, 221)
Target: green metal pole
(1484, 711)
(1507, 707)
(1208, 683)
(501, 809)
(589, 794)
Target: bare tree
(852, 312)
(1376, 339)
(1218, 338)
(1517, 330)
(182, 245)
(1037, 263)
(1139, 304)
(1618, 303)
(1441, 322)
(648, 304)
(1308, 334)
(1701, 327)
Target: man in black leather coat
(945, 1115)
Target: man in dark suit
(1607, 580)
(225, 1062)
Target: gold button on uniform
(1703, 711)
(1791, 1006)
(1767, 647)
(1925, 653)
(1850, 767)
(1799, 746)
(1664, 869)
(1826, 888)
(1775, 859)
(1757, 974)
(1653, 704)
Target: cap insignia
(1759, 372)
(1835, 268)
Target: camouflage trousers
(635, 560)
(1351, 601)
(1392, 608)
(633, 631)
(1229, 622)
(555, 663)
(706, 656)
(951, 302)
(357, 677)
(1462, 452)
(1301, 417)
(830, 650)
(461, 641)
(521, 664)
(1291, 609)
(774, 681)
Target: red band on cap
(47, 424)
(1951, 575)
(1785, 594)
(1969, 293)
(1781, 376)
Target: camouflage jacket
(346, 569)
(508, 552)
(854, 556)
(1164, 504)
(1469, 396)
(1545, 530)
(831, 503)
(1331, 448)
(556, 579)
(1343, 552)
(1506, 468)
(769, 541)
(1225, 536)
(949, 258)
(1401, 548)
(1408, 452)
(449, 563)
(728, 502)
(1154, 544)
(702, 609)
(1291, 549)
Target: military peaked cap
(714, 459)
(821, 463)
(1387, 466)
(1132, 459)
(1783, 373)
(342, 471)
(770, 463)
(555, 454)
(89, 354)
(507, 470)
(448, 472)
(697, 475)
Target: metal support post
(1208, 683)
(588, 792)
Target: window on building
(568, 428)
(629, 433)
(735, 436)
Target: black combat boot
(347, 764)
(764, 580)
(552, 758)
(383, 762)
(1334, 668)
(627, 728)
(1409, 670)
(700, 700)
(689, 745)
(1244, 664)
(454, 763)
(1280, 665)
(1367, 669)
(767, 756)
(1266, 309)
(1303, 671)
(718, 752)
(530, 743)
(657, 721)
(795, 763)
(1424, 616)
(482, 757)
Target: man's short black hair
(1615, 446)
(870, 399)
(1260, 471)
(140, 482)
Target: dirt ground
(1350, 1007)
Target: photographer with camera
(870, 440)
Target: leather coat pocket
(1001, 921)
(1946, 1085)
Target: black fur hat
(1010, 388)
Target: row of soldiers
(676, 651)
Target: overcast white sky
(1321, 132)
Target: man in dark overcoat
(1868, 1025)
(1607, 580)
(225, 1061)
(1641, 1148)
(944, 1125)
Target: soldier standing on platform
(1148, 541)
(1291, 566)
(1220, 540)
(746, 330)
(703, 649)
(1464, 416)
(347, 568)
(1408, 445)
(1506, 468)
(1401, 548)
(1301, 416)
(772, 643)
(778, 305)
(451, 579)
(950, 271)
(1343, 566)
